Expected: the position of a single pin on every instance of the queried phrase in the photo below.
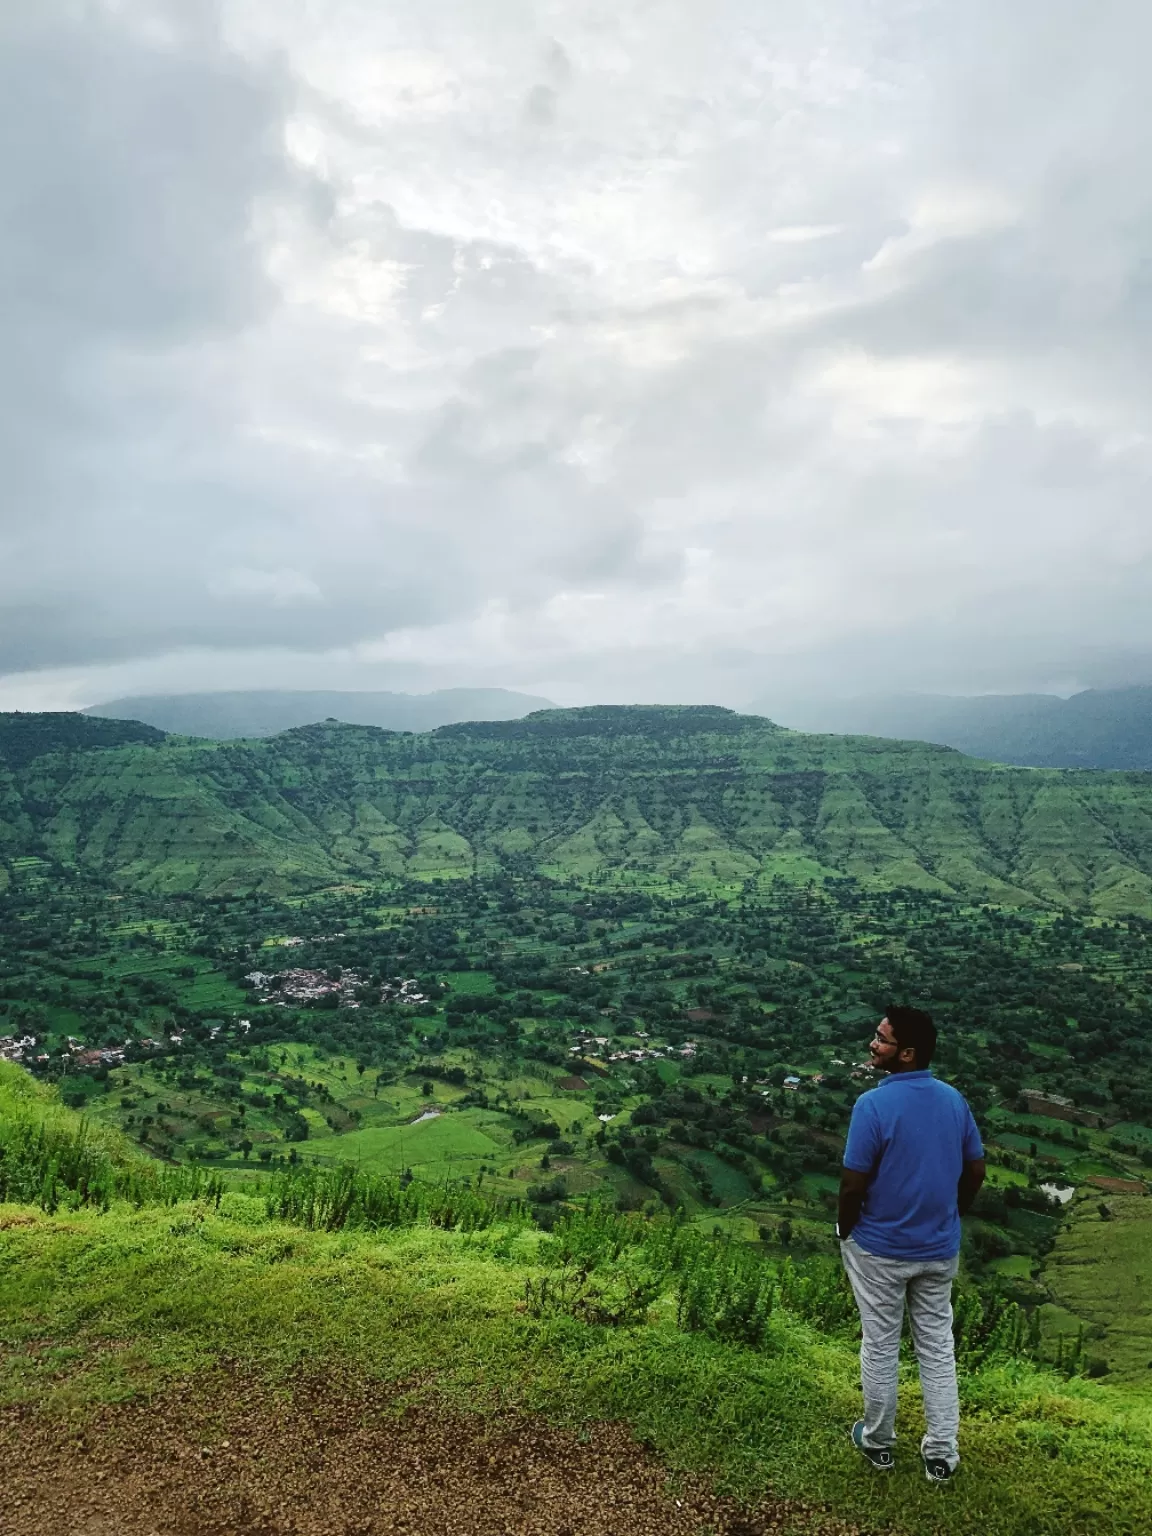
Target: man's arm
(853, 1188)
(969, 1185)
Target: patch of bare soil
(227, 1457)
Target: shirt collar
(904, 1077)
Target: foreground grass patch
(99, 1306)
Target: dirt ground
(231, 1458)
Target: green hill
(237, 1315)
(698, 797)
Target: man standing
(913, 1165)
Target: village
(586, 1044)
(22, 1048)
(299, 987)
(75, 1055)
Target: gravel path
(230, 1458)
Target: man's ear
(908, 1053)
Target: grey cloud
(540, 106)
(557, 62)
(131, 176)
(127, 198)
(704, 351)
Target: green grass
(1129, 1130)
(728, 1184)
(1000, 1177)
(471, 983)
(432, 1148)
(1018, 1143)
(1085, 1166)
(1101, 1271)
(98, 1306)
(131, 1302)
(1017, 1266)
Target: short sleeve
(862, 1149)
(973, 1146)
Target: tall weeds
(56, 1162)
(333, 1198)
(729, 1290)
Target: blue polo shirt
(913, 1134)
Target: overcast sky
(611, 349)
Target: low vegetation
(558, 1123)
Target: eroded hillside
(693, 796)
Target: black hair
(913, 1027)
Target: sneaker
(937, 1470)
(881, 1459)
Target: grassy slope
(701, 797)
(97, 1306)
(23, 1100)
(130, 1301)
(1101, 1270)
(451, 1143)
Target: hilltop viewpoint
(349, 1354)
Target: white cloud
(947, 213)
(801, 234)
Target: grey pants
(882, 1287)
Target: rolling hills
(584, 1169)
(695, 796)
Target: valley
(547, 1040)
(560, 980)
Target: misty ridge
(266, 712)
(1098, 728)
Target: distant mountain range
(1100, 728)
(267, 712)
(671, 798)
